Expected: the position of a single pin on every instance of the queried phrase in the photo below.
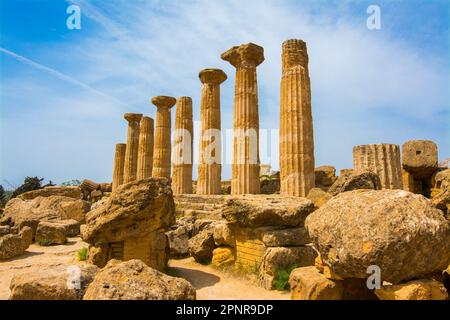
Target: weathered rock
(134, 210)
(4, 230)
(201, 247)
(49, 208)
(286, 237)
(30, 223)
(348, 182)
(99, 255)
(223, 235)
(223, 256)
(325, 176)
(398, 231)
(442, 201)
(134, 280)
(178, 241)
(71, 226)
(69, 191)
(53, 283)
(259, 211)
(308, 283)
(318, 197)
(282, 258)
(414, 290)
(269, 186)
(442, 180)
(49, 233)
(11, 246)
(26, 233)
(420, 157)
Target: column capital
(133, 117)
(164, 101)
(150, 120)
(245, 55)
(212, 76)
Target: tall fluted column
(131, 153)
(245, 168)
(162, 146)
(145, 153)
(296, 126)
(182, 150)
(210, 159)
(119, 162)
(383, 159)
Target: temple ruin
(145, 153)
(131, 152)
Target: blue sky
(63, 92)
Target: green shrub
(82, 254)
(281, 281)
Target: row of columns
(147, 155)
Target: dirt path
(212, 284)
(35, 257)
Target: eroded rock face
(283, 258)
(308, 283)
(69, 191)
(286, 237)
(134, 280)
(133, 210)
(12, 245)
(53, 283)
(420, 157)
(224, 235)
(49, 233)
(201, 246)
(50, 208)
(325, 176)
(398, 231)
(355, 181)
(318, 197)
(414, 290)
(223, 256)
(260, 211)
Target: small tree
(29, 184)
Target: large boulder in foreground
(398, 231)
(355, 181)
(61, 282)
(132, 211)
(261, 211)
(134, 280)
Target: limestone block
(414, 290)
(420, 157)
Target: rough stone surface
(223, 256)
(420, 157)
(201, 247)
(308, 283)
(325, 176)
(69, 191)
(318, 197)
(398, 231)
(99, 255)
(134, 280)
(414, 290)
(4, 230)
(45, 209)
(286, 237)
(259, 211)
(49, 233)
(72, 227)
(382, 159)
(223, 235)
(283, 258)
(134, 210)
(11, 246)
(26, 234)
(179, 241)
(348, 182)
(53, 283)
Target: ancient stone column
(182, 149)
(145, 153)
(162, 147)
(245, 167)
(210, 158)
(383, 159)
(296, 125)
(119, 162)
(131, 153)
